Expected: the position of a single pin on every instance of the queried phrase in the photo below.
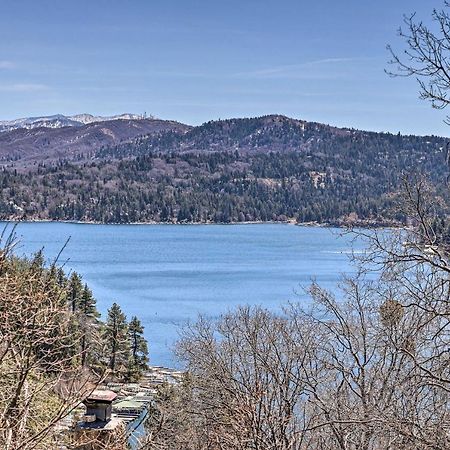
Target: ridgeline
(271, 168)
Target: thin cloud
(23, 87)
(6, 65)
(301, 70)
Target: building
(98, 429)
(99, 406)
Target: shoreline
(356, 224)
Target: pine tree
(75, 291)
(38, 261)
(61, 276)
(138, 348)
(88, 321)
(116, 338)
(87, 304)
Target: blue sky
(194, 61)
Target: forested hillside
(270, 168)
(54, 349)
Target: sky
(200, 60)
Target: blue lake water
(168, 274)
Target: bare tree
(426, 56)
(245, 382)
(373, 391)
(366, 371)
(41, 378)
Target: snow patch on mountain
(89, 118)
(60, 121)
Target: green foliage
(138, 348)
(88, 323)
(75, 291)
(87, 304)
(52, 351)
(264, 169)
(116, 341)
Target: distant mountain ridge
(273, 132)
(60, 121)
(27, 146)
(269, 168)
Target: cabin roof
(129, 404)
(101, 396)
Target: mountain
(273, 133)
(270, 168)
(36, 145)
(60, 121)
(89, 118)
(56, 121)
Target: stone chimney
(99, 406)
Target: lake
(168, 274)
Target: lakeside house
(116, 410)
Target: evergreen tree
(38, 262)
(116, 338)
(88, 322)
(61, 276)
(75, 291)
(87, 304)
(138, 348)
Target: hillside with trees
(366, 367)
(54, 349)
(270, 168)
